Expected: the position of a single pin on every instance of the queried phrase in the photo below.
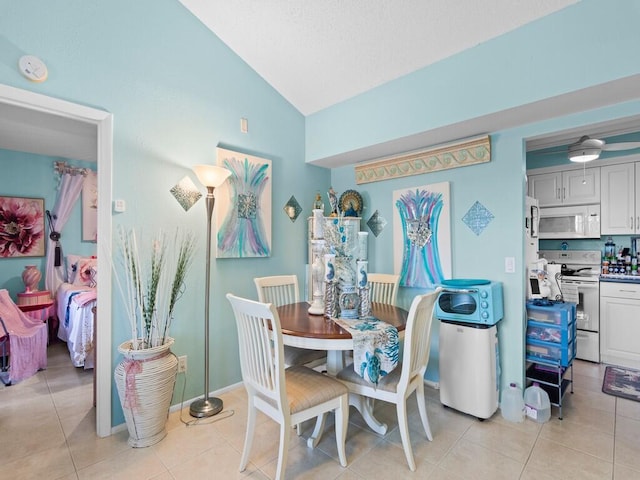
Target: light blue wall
(176, 92)
(541, 60)
(28, 175)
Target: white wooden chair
(408, 375)
(383, 287)
(280, 290)
(289, 396)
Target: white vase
(145, 380)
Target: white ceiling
(317, 53)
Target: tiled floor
(47, 424)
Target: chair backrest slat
(278, 289)
(261, 349)
(383, 287)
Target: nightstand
(43, 309)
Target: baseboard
(435, 385)
(175, 408)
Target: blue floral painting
(422, 235)
(243, 206)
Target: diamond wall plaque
(477, 218)
(292, 209)
(186, 193)
(376, 223)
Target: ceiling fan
(587, 149)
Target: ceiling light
(584, 155)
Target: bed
(74, 304)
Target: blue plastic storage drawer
(562, 334)
(549, 352)
(561, 314)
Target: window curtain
(68, 193)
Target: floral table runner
(375, 346)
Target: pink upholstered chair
(27, 341)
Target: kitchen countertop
(619, 278)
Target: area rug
(622, 382)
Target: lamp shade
(584, 155)
(211, 175)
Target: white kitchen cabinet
(571, 187)
(620, 199)
(620, 324)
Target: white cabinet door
(618, 203)
(580, 187)
(546, 188)
(620, 324)
(637, 202)
(574, 187)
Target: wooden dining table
(304, 330)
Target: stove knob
(484, 304)
(484, 315)
(484, 294)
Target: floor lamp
(211, 177)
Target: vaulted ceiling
(320, 52)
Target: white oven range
(580, 283)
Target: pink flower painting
(22, 232)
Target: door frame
(103, 121)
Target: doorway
(50, 108)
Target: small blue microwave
(470, 301)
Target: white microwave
(579, 221)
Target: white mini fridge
(469, 367)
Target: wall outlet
(182, 364)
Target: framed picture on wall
(22, 230)
(422, 235)
(243, 206)
(90, 207)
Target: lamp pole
(211, 177)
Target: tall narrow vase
(145, 380)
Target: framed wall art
(422, 235)
(90, 207)
(22, 230)
(243, 206)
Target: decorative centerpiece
(151, 281)
(340, 266)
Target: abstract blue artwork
(477, 218)
(422, 235)
(243, 206)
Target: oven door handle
(584, 285)
(460, 290)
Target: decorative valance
(63, 167)
(459, 154)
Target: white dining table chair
(288, 396)
(408, 376)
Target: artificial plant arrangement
(151, 281)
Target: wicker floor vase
(145, 380)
